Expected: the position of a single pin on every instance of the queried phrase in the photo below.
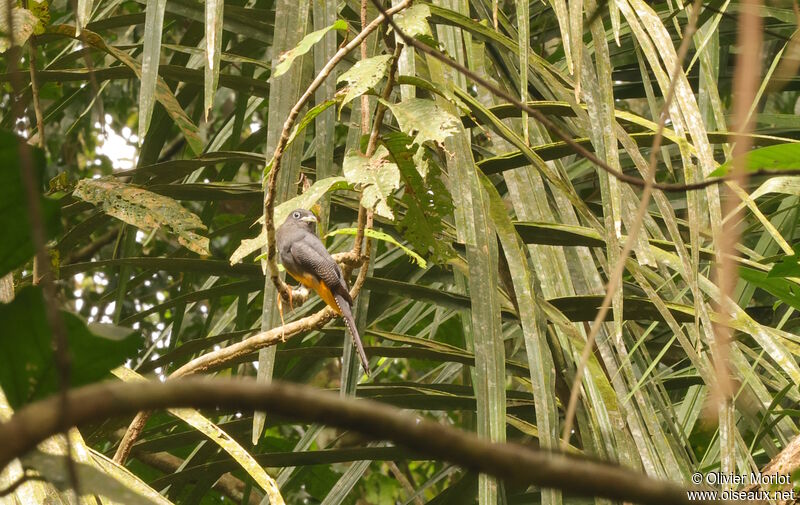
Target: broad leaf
(777, 157)
(378, 177)
(16, 247)
(144, 209)
(788, 266)
(27, 363)
(286, 59)
(413, 21)
(427, 200)
(426, 118)
(364, 75)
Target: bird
(305, 258)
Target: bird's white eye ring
(296, 215)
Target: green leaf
(214, 13)
(426, 118)
(287, 58)
(784, 289)
(364, 75)
(304, 201)
(16, 247)
(426, 198)
(413, 21)
(40, 9)
(378, 177)
(788, 266)
(27, 367)
(153, 27)
(144, 209)
(419, 260)
(777, 157)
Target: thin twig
(364, 97)
(42, 259)
(514, 463)
(269, 200)
(372, 145)
(616, 275)
(745, 86)
(221, 357)
(558, 132)
(37, 106)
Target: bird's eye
(296, 215)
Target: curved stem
(269, 200)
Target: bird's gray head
(303, 218)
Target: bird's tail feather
(347, 315)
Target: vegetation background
(496, 234)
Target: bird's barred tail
(347, 315)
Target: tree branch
(429, 439)
(218, 358)
(558, 132)
(269, 200)
(41, 259)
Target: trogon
(305, 258)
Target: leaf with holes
(364, 75)
(144, 209)
(24, 24)
(378, 177)
(413, 21)
(426, 199)
(423, 117)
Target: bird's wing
(313, 258)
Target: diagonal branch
(219, 358)
(350, 259)
(269, 200)
(555, 130)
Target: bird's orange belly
(319, 287)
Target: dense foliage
(490, 252)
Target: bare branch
(558, 132)
(269, 200)
(41, 259)
(512, 462)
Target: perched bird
(305, 258)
